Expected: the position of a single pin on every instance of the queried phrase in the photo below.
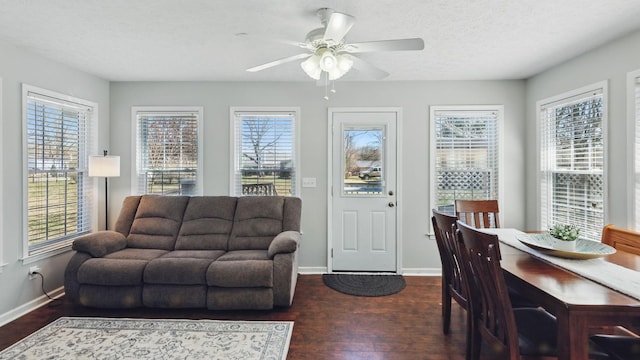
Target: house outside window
(168, 150)
(572, 148)
(465, 154)
(264, 150)
(59, 196)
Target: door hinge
(331, 252)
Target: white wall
(16, 67)
(419, 254)
(610, 62)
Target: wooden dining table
(579, 304)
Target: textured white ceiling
(132, 40)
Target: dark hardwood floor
(328, 324)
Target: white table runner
(619, 278)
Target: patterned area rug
(105, 338)
(365, 285)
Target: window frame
(499, 109)
(602, 87)
(62, 244)
(296, 185)
(199, 190)
(633, 125)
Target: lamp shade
(104, 166)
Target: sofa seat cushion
(245, 255)
(118, 272)
(196, 254)
(136, 254)
(177, 271)
(242, 273)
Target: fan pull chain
(326, 85)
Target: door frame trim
(399, 172)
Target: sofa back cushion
(258, 219)
(207, 223)
(157, 222)
(127, 214)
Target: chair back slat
(478, 213)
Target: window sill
(47, 254)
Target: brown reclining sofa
(214, 252)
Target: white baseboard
(315, 270)
(312, 270)
(30, 306)
(422, 272)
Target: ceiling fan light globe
(344, 63)
(311, 67)
(328, 61)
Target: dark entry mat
(365, 285)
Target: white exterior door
(363, 193)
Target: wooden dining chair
(478, 213)
(621, 239)
(444, 227)
(453, 286)
(510, 333)
(618, 347)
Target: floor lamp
(105, 166)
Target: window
(264, 145)
(168, 155)
(57, 191)
(633, 80)
(572, 155)
(465, 154)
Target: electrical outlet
(32, 271)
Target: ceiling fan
(330, 56)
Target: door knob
(391, 204)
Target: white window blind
(264, 153)
(167, 152)
(572, 163)
(465, 155)
(58, 191)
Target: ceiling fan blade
(279, 62)
(338, 26)
(385, 45)
(261, 38)
(368, 69)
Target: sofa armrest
(100, 243)
(283, 243)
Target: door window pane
(363, 161)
